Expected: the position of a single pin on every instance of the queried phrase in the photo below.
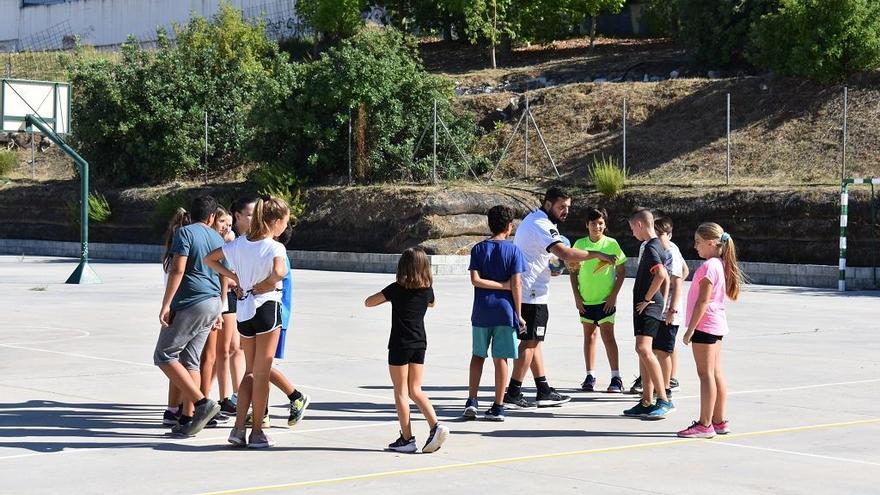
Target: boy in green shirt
(595, 285)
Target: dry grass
(47, 66)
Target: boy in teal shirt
(595, 285)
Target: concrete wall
(819, 276)
(109, 22)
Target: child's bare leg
(237, 363)
(224, 355)
(209, 357)
(277, 378)
(704, 356)
(537, 365)
(610, 343)
(476, 372)
(245, 390)
(589, 346)
(174, 398)
(522, 364)
(263, 354)
(500, 379)
(652, 377)
(718, 413)
(665, 360)
(674, 371)
(414, 382)
(401, 399)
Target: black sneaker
(403, 445)
(589, 383)
(551, 398)
(517, 402)
(435, 439)
(495, 413)
(636, 388)
(227, 407)
(218, 419)
(169, 418)
(674, 385)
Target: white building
(55, 24)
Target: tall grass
(7, 162)
(608, 176)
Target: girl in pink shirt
(717, 278)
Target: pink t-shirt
(714, 320)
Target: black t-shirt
(651, 257)
(408, 308)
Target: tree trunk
(492, 55)
(593, 23)
(360, 137)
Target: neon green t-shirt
(595, 285)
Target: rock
(600, 80)
(674, 74)
(655, 78)
(645, 79)
(713, 74)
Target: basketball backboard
(50, 101)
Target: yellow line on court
(507, 460)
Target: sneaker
(722, 428)
(180, 430)
(551, 398)
(259, 440)
(435, 438)
(495, 413)
(636, 388)
(218, 419)
(201, 416)
(673, 385)
(249, 421)
(669, 393)
(227, 407)
(589, 383)
(659, 410)
(517, 402)
(237, 438)
(637, 411)
(696, 430)
(470, 410)
(616, 386)
(297, 409)
(403, 445)
(169, 418)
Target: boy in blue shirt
(495, 268)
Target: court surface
(81, 402)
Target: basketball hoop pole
(83, 273)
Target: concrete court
(81, 401)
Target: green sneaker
(298, 409)
(638, 410)
(250, 420)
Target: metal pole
(528, 116)
(845, 119)
(349, 148)
(434, 166)
(33, 159)
(844, 206)
(206, 146)
(509, 142)
(728, 139)
(624, 131)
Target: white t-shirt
(673, 261)
(253, 262)
(534, 237)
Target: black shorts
(403, 357)
(665, 339)
(267, 318)
(647, 326)
(536, 316)
(705, 338)
(231, 302)
(596, 313)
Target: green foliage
(7, 162)
(165, 208)
(336, 19)
(822, 39)
(142, 119)
(608, 176)
(99, 210)
(376, 76)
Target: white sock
(592, 372)
(173, 410)
(615, 373)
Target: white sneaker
(436, 438)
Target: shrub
(820, 39)
(8, 160)
(608, 176)
(99, 210)
(280, 183)
(166, 206)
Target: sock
(184, 419)
(201, 402)
(173, 410)
(295, 395)
(542, 385)
(615, 373)
(592, 372)
(515, 388)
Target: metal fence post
(528, 116)
(624, 133)
(350, 182)
(728, 139)
(845, 131)
(434, 166)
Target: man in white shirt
(539, 239)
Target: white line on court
(792, 452)
(82, 334)
(73, 354)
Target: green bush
(7, 162)
(99, 210)
(820, 39)
(335, 19)
(281, 183)
(608, 176)
(142, 119)
(165, 208)
(377, 77)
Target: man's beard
(553, 218)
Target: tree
(824, 39)
(592, 9)
(335, 19)
(489, 20)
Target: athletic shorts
(536, 316)
(267, 318)
(646, 326)
(705, 338)
(502, 338)
(231, 303)
(595, 314)
(184, 339)
(403, 357)
(665, 339)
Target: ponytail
(180, 219)
(733, 275)
(266, 212)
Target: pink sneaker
(696, 430)
(721, 428)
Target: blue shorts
(503, 340)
